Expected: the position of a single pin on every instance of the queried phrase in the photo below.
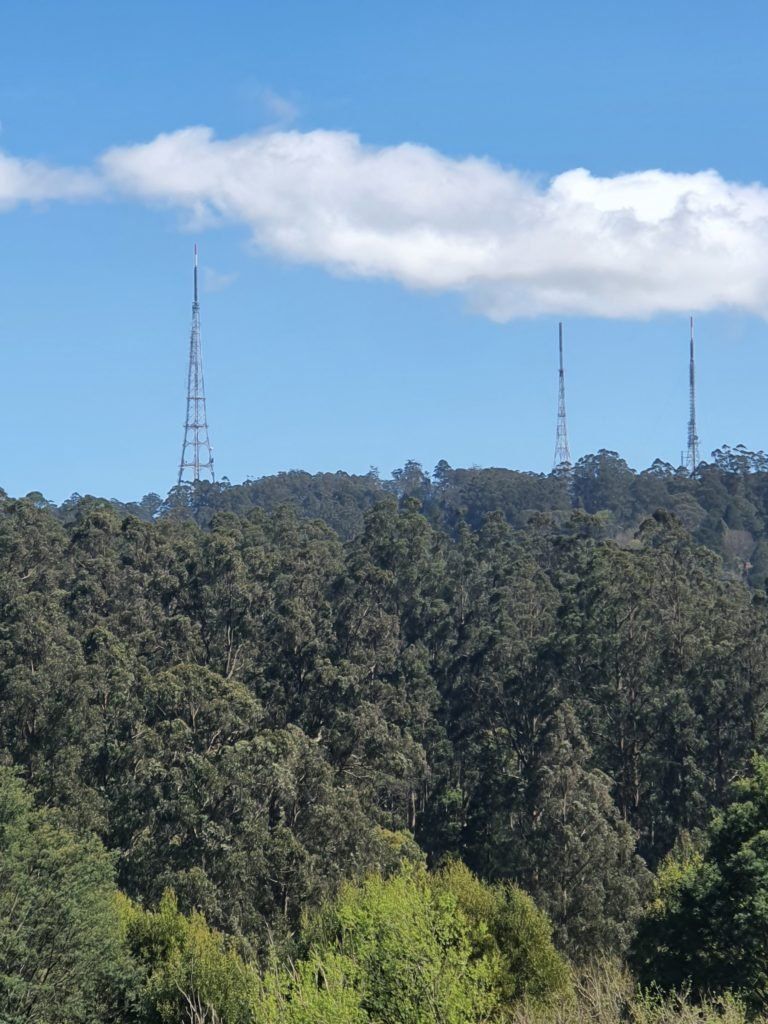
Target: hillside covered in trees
(725, 506)
(426, 749)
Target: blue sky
(311, 363)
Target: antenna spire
(692, 454)
(562, 451)
(196, 451)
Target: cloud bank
(33, 182)
(630, 246)
(634, 245)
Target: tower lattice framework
(562, 451)
(196, 452)
(692, 453)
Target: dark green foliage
(61, 957)
(725, 506)
(709, 921)
(244, 713)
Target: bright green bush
(406, 948)
(191, 972)
(315, 991)
(507, 926)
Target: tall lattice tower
(692, 454)
(196, 452)
(562, 451)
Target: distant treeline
(725, 506)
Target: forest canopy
(724, 504)
(299, 747)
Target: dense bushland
(440, 754)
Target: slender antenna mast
(562, 451)
(692, 455)
(196, 451)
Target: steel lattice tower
(692, 455)
(196, 451)
(562, 451)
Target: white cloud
(30, 181)
(633, 245)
